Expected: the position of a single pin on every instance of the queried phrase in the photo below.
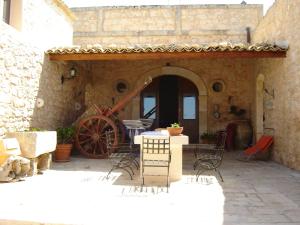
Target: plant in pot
(64, 144)
(237, 111)
(208, 138)
(175, 129)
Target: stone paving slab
(78, 192)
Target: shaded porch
(102, 69)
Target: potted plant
(175, 129)
(237, 111)
(64, 144)
(208, 138)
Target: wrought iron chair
(155, 152)
(121, 156)
(210, 157)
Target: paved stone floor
(77, 192)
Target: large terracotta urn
(243, 134)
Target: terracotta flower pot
(175, 131)
(208, 141)
(204, 141)
(63, 152)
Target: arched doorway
(172, 99)
(181, 72)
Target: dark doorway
(172, 99)
(168, 101)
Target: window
(6, 11)
(218, 86)
(12, 13)
(189, 107)
(121, 86)
(150, 106)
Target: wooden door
(184, 97)
(188, 109)
(150, 102)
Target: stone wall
(164, 24)
(26, 75)
(237, 75)
(283, 76)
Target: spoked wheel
(106, 111)
(91, 138)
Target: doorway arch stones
(178, 71)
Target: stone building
(205, 61)
(25, 33)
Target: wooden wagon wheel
(90, 136)
(106, 111)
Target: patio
(78, 193)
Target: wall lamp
(72, 75)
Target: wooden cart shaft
(124, 101)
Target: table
(134, 127)
(176, 143)
(134, 131)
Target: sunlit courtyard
(78, 192)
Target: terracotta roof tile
(98, 49)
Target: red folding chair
(261, 147)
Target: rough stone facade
(281, 112)
(26, 75)
(164, 24)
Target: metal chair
(155, 152)
(121, 156)
(210, 157)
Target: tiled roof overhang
(98, 52)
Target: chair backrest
(110, 140)
(220, 146)
(220, 140)
(262, 144)
(156, 146)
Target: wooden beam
(165, 55)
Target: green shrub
(32, 129)
(175, 125)
(237, 112)
(210, 136)
(35, 129)
(65, 135)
